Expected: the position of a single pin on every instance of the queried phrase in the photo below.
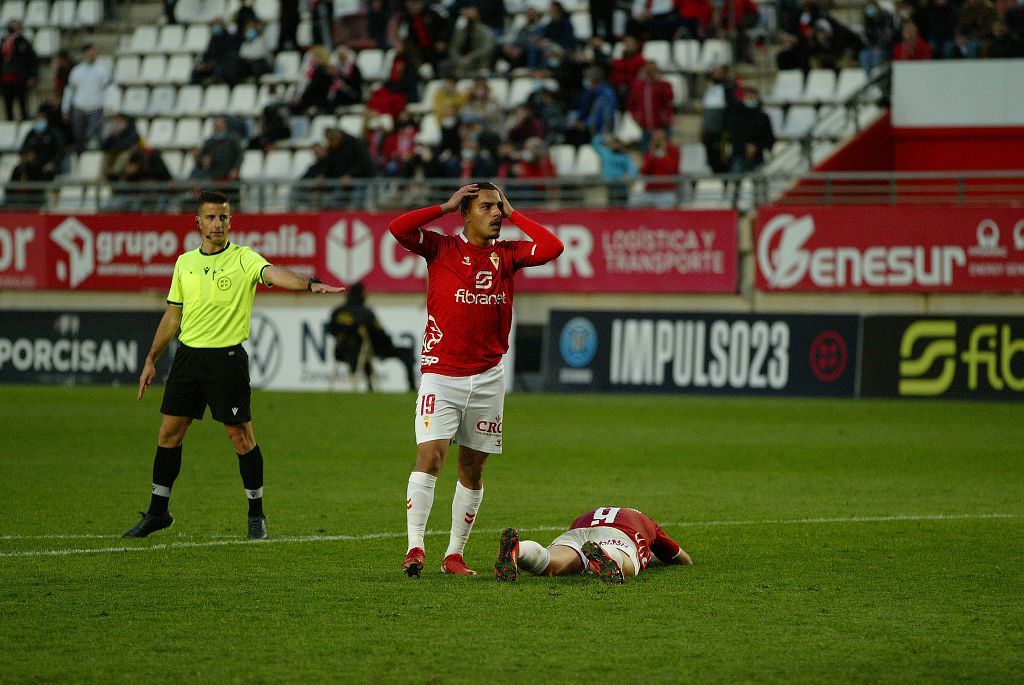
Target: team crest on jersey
(465, 260)
(426, 422)
(494, 259)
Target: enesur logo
(930, 351)
(785, 261)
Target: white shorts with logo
(467, 409)
(605, 536)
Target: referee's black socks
(166, 467)
(250, 465)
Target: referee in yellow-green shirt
(210, 300)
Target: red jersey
(648, 535)
(469, 290)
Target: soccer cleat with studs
(456, 565)
(149, 523)
(413, 564)
(506, 568)
(602, 565)
(257, 527)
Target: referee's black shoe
(257, 527)
(149, 523)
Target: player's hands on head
(465, 191)
(506, 207)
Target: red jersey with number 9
(469, 290)
(641, 528)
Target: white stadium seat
(172, 39)
(187, 133)
(143, 40)
(135, 101)
(215, 99)
(126, 69)
(788, 86)
(46, 42)
(89, 14)
(371, 64)
(819, 87)
(563, 157)
(243, 100)
(715, 52)
(851, 79)
(252, 165)
(153, 69)
(588, 162)
(37, 14)
(190, 101)
(12, 9)
(660, 52)
(351, 124)
(62, 14)
(799, 120)
(179, 69)
(627, 130)
(197, 37)
(161, 101)
(161, 133)
(686, 54)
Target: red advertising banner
(890, 249)
(605, 251)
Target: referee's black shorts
(218, 377)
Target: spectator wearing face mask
(27, 171)
(472, 44)
(473, 161)
(253, 53)
(220, 157)
(662, 159)
(45, 145)
(912, 46)
(618, 170)
(347, 86)
(117, 146)
(219, 63)
(650, 102)
(751, 133)
(596, 112)
(879, 32)
(626, 68)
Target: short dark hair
(212, 197)
(467, 200)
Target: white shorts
(605, 536)
(467, 409)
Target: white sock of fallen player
(533, 557)
(465, 505)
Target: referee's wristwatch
(311, 281)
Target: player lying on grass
(610, 542)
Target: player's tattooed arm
(453, 202)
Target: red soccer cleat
(413, 563)
(454, 563)
(506, 568)
(602, 565)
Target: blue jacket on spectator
(597, 109)
(616, 164)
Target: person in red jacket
(625, 69)
(912, 47)
(662, 159)
(470, 285)
(612, 543)
(650, 102)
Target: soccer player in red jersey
(610, 542)
(470, 283)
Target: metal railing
(387, 194)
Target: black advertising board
(953, 357)
(705, 353)
(77, 347)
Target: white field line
(207, 542)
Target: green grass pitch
(834, 541)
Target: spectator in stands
(348, 161)
(253, 53)
(515, 44)
(27, 171)
(120, 142)
(448, 98)
(522, 125)
(696, 19)
(802, 22)
(424, 29)
(833, 46)
(738, 17)
(319, 76)
(653, 19)
(938, 20)
(472, 44)
(975, 24)
(879, 33)
(347, 86)
(377, 127)
(750, 132)
(535, 163)
(602, 19)
(473, 161)
(1014, 18)
(220, 62)
(618, 170)
(912, 46)
(559, 28)
(245, 15)
(220, 157)
(482, 108)
(46, 146)
(596, 113)
(650, 102)
(399, 150)
(793, 53)
(1003, 45)
(662, 159)
(545, 105)
(273, 122)
(719, 99)
(289, 17)
(19, 70)
(403, 77)
(322, 16)
(626, 68)
(144, 166)
(83, 98)
(62, 64)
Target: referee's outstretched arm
(289, 280)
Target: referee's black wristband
(311, 281)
